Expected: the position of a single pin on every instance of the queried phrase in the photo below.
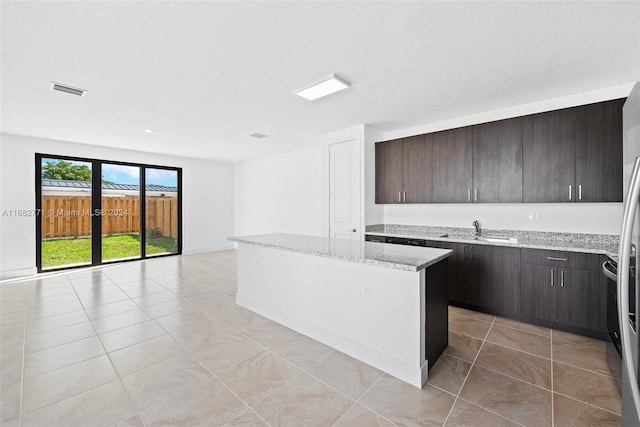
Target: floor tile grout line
(490, 411)
(469, 373)
(587, 403)
(512, 377)
(517, 349)
(591, 371)
(359, 401)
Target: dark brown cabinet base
(559, 290)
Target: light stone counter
(408, 258)
(571, 242)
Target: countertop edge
(524, 245)
(386, 264)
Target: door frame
(96, 203)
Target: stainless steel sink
(512, 240)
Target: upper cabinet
(389, 172)
(574, 154)
(417, 172)
(403, 170)
(568, 155)
(497, 161)
(452, 166)
(599, 152)
(549, 157)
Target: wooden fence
(70, 216)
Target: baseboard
(398, 368)
(17, 273)
(209, 249)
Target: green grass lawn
(58, 252)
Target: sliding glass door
(120, 212)
(65, 212)
(96, 211)
(161, 216)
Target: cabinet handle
(569, 191)
(552, 258)
(562, 278)
(399, 199)
(475, 194)
(468, 194)
(580, 192)
(552, 278)
(404, 197)
(464, 252)
(471, 252)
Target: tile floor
(161, 342)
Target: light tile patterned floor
(162, 342)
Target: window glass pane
(120, 212)
(66, 213)
(161, 220)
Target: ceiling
(206, 75)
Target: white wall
(207, 196)
(598, 218)
(281, 193)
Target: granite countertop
(587, 243)
(408, 258)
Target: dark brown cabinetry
(599, 152)
(574, 154)
(482, 276)
(549, 157)
(403, 170)
(389, 172)
(497, 161)
(568, 155)
(563, 288)
(452, 165)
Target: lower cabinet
(564, 289)
(483, 277)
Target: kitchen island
(385, 305)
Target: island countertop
(408, 258)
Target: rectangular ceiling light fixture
(326, 87)
(68, 89)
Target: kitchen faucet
(476, 224)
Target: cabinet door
(537, 293)
(504, 280)
(456, 269)
(599, 152)
(417, 170)
(452, 166)
(388, 171)
(549, 157)
(497, 161)
(578, 303)
(476, 275)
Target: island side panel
(375, 314)
(437, 311)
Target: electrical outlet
(533, 216)
(366, 290)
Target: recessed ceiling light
(67, 89)
(326, 87)
(148, 130)
(259, 135)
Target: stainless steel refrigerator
(628, 261)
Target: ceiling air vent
(68, 89)
(259, 135)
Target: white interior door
(344, 190)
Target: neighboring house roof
(87, 184)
